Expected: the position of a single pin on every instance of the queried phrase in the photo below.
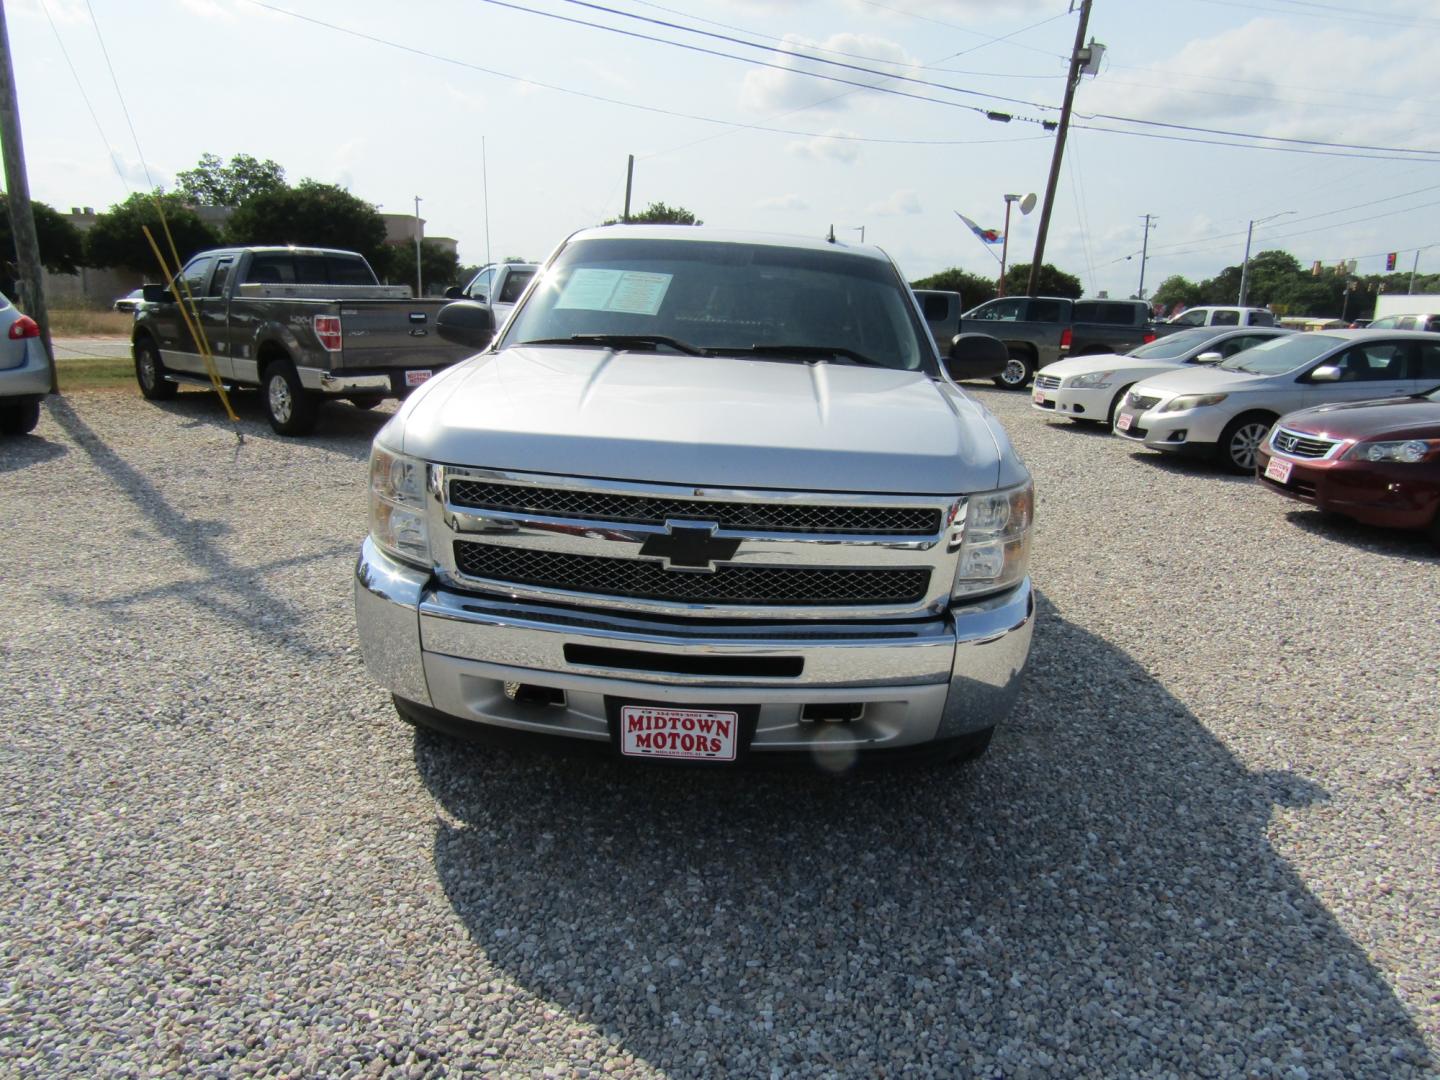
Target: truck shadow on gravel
(21, 452)
(342, 427)
(1096, 897)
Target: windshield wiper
(622, 341)
(808, 350)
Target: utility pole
(1245, 266)
(22, 218)
(1071, 82)
(419, 228)
(629, 177)
(1144, 252)
(485, 188)
(1414, 267)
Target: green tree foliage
(62, 248)
(1051, 282)
(1176, 290)
(439, 266)
(313, 214)
(214, 183)
(973, 288)
(657, 213)
(117, 239)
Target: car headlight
(1192, 401)
(397, 506)
(1096, 380)
(1409, 451)
(995, 546)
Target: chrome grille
(1141, 402)
(728, 584)
(1047, 382)
(1298, 444)
(652, 510)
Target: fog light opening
(1179, 436)
(833, 712)
(528, 694)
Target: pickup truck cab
(1039, 330)
(707, 494)
(941, 309)
(301, 323)
(1215, 315)
(498, 286)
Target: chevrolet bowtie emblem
(689, 546)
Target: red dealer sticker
(685, 734)
(415, 378)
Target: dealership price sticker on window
(631, 292)
(686, 734)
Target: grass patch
(78, 322)
(97, 373)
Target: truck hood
(713, 421)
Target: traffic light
(1390, 261)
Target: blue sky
(346, 94)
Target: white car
(1225, 410)
(24, 371)
(1089, 388)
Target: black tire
(1240, 441)
(1433, 532)
(968, 747)
(367, 401)
(1017, 373)
(20, 417)
(150, 372)
(291, 408)
(1115, 404)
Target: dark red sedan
(1375, 461)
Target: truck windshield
(728, 298)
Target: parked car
(1215, 315)
(1374, 461)
(1090, 388)
(1427, 322)
(705, 494)
(24, 371)
(130, 301)
(1038, 330)
(1226, 410)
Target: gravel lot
(1206, 844)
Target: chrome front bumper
(917, 680)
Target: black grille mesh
(753, 585)
(644, 509)
(1141, 401)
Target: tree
(313, 214)
(439, 265)
(1050, 282)
(657, 213)
(62, 248)
(1176, 290)
(213, 183)
(973, 288)
(117, 238)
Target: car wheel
(1433, 532)
(1017, 372)
(364, 401)
(289, 405)
(1240, 442)
(1115, 405)
(150, 373)
(19, 418)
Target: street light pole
(1005, 243)
(1144, 254)
(419, 228)
(1245, 266)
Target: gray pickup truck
(1038, 330)
(303, 324)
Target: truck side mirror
(976, 356)
(156, 294)
(465, 322)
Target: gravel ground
(1206, 844)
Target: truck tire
(1240, 441)
(1017, 373)
(292, 409)
(150, 372)
(20, 417)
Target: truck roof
(702, 233)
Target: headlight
(1192, 401)
(1096, 380)
(995, 549)
(397, 506)
(1409, 451)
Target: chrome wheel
(1244, 444)
(1015, 375)
(148, 375)
(282, 403)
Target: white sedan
(1090, 388)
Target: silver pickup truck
(709, 494)
(301, 323)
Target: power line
(1368, 17)
(1246, 145)
(1250, 135)
(109, 149)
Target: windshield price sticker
(1279, 470)
(631, 292)
(686, 734)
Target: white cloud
(904, 201)
(473, 102)
(828, 147)
(772, 89)
(790, 201)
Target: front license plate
(1123, 421)
(679, 734)
(415, 378)
(1279, 470)
(1039, 397)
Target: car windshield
(1282, 354)
(703, 297)
(1172, 347)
